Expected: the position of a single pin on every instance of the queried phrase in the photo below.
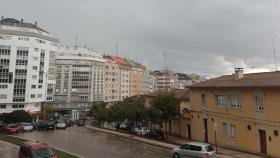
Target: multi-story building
(124, 77)
(241, 108)
(79, 79)
(26, 66)
(112, 80)
(163, 80)
(149, 82)
(136, 78)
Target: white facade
(149, 84)
(24, 61)
(79, 78)
(124, 83)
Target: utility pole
(164, 55)
(275, 61)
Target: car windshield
(209, 148)
(26, 124)
(43, 152)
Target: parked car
(45, 125)
(60, 124)
(9, 129)
(194, 149)
(81, 123)
(139, 130)
(34, 124)
(95, 122)
(155, 133)
(68, 122)
(74, 122)
(36, 150)
(25, 126)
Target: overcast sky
(209, 37)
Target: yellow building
(242, 109)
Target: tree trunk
(165, 132)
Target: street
(92, 144)
(8, 150)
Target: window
(32, 96)
(259, 103)
(195, 148)
(36, 49)
(235, 101)
(34, 77)
(220, 100)
(3, 86)
(33, 86)
(5, 50)
(225, 131)
(233, 130)
(40, 86)
(2, 106)
(203, 99)
(39, 95)
(3, 96)
(35, 68)
(15, 106)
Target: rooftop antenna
(275, 60)
(76, 41)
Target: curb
(168, 146)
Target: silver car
(194, 149)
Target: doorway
(263, 146)
(205, 130)
(189, 131)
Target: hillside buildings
(243, 110)
(26, 66)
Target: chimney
(2, 17)
(238, 73)
(21, 20)
(35, 23)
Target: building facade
(149, 82)
(242, 109)
(26, 66)
(79, 79)
(112, 80)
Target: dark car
(95, 123)
(45, 125)
(155, 133)
(81, 123)
(68, 122)
(36, 150)
(9, 129)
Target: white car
(61, 124)
(141, 130)
(194, 149)
(25, 126)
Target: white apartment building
(149, 82)
(26, 53)
(79, 79)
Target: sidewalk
(173, 142)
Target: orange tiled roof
(119, 60)
(264, 79)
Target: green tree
(16, 116)
(168, 106)
(99, 112)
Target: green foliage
(16, 116)
(167, 104)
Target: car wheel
(176, 155)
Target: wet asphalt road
(8, 150)
(92, 144)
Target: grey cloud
(206, 37)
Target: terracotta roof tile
(264, 79)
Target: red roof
(119, 60)
(264, 79)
